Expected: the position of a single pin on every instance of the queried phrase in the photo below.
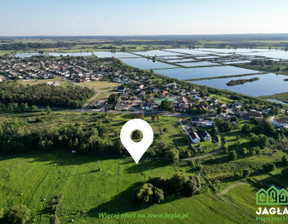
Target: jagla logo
(272, 196)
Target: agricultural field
(100, 84)
(5, 52)
(60, 81)
(34, 178)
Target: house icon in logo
(272, 196)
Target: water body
(207, 57)
(188, 51)
(277, 101)
(108, 54)
(196, 64)
(271, 54)
(157, 53)
(27, 55)
(268, 84)
(182, 60)
(170, 58)
(144, 63)
(231, 50)
(237, 62)
(204, 72)
(73, 54)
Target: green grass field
(5, 52)
(62, 82)
(101, 84)
(88, 191)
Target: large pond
(268, 84)
(188, 51)
(271, 54)
(204, 72)
(231, 50)
(108, 54)
(27, 55)
(157, 53)
(72, 54)
(277, 101)
(197, 64)
(236, 62)
(179, 60)
(144, 63)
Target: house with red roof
(280, 123)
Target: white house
(280, 123)
(206, 136)
(194, 137)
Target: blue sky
(147, 17)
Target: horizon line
(143, 35)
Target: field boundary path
(226, 190)
(97, 92)
(93, 98)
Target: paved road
(211, 153)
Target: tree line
(33, 46)
(158, 188)
(44, 95)
(16, 136)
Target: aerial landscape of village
(217, 103)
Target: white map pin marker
(136, 149)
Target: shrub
(192, 186)
(19, 214)
(159, 182)
(243, 151)
(148, 194)
(199, 168)
(54, 219)
(1, 212)
(176, 183)
(190, 163)
(232, 155)
(285, 172)
(225, 149)
(284, 159)
(246, 173)
(179, 185)
(172, 155)
(269, 167)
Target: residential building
(194, 137)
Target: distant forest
(218, 41)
